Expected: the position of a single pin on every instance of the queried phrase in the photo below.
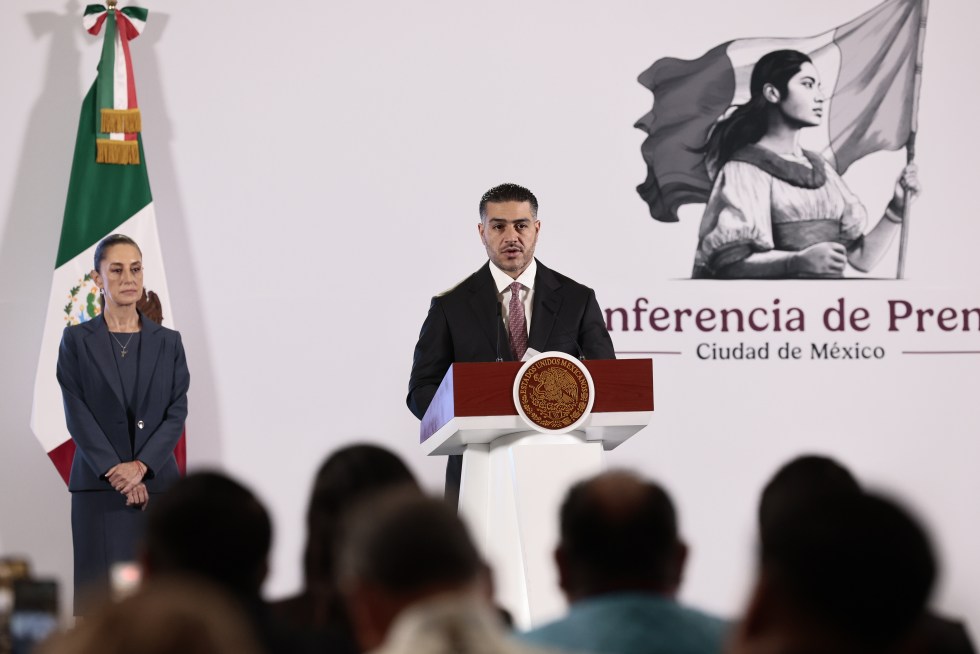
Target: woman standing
(124, 382)
(777, 210)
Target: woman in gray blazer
(124, 381)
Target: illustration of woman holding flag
(776, 210)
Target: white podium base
(510, 494)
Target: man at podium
(510, 306)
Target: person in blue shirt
(620, 561)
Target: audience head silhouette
(166, 616)
(802, 480)
(211, 526)
(348, 476)
(844, 572)
(400, 549)
(618, 533)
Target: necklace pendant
(123, 353)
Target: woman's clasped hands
(127, 478)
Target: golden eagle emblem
(553, 392)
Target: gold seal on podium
(553, 392)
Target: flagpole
(903, 243)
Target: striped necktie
(516, 324)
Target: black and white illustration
(763, 130)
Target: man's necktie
(516, 324)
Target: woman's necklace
(124, 350)
(124, 347)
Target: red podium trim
(485, 389)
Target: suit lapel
(151, 342)
(100, 347)
(547, 304)
(483, 302)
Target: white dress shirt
(503, 282)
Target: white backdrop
(316, 169)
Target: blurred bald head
(618, 533)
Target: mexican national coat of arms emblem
(83, 301)
(553, 392)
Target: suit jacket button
(140, 424)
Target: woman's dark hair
(864, 543)
(749, 122)
(348, 476)
(105, 244)
(801, 481)
(108, 242)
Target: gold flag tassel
(117, 152)
(121, 121)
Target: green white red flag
(108, 192)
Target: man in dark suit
(511, 305)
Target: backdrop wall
(316, 169)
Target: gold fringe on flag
(117, 152)
(120, 121)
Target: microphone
(500, 319)
(565, 332)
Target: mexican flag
(868, 73)
(108, 192)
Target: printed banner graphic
(761, 130)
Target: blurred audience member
(210, 526)
(938, 635)
(620, 563)
(414, 583)
(346, 477)
(804, 479)
(174, 616)
(839, 573)
(811, 478)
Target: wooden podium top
(471, 390)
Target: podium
(515, 476)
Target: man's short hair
(619, 528)
(508, 193)
(404, 542)
(859, 564)
(802, 480)
(208, 525)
